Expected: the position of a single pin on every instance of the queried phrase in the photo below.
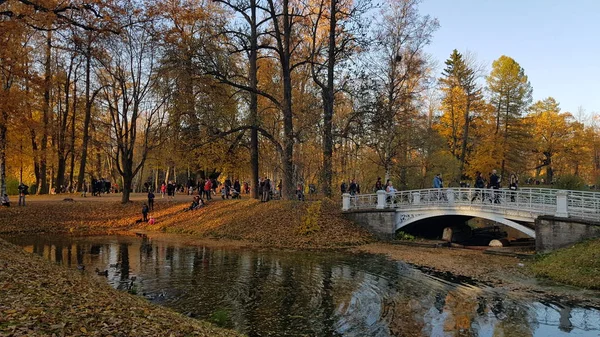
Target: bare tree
(340, 20)
(401, 74)
(128, 75)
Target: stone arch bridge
(386, 213)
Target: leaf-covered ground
(39, 298)
(273, 224)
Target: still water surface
(287, 293)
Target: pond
(291, 293)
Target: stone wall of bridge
(381, 223)
(553, 232)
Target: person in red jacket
(207, 188)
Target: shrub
(220, 317)
(569, 182)
(310, 221)
(400, 235)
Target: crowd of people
(492, 182)
(98, 187)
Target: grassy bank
(39, 298)
(578, 265)
(275, 224)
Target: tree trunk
(72, 143)
(288, 122)
(3, 153)
(254, 154)
(127, 180)
(87, 118)
(328, 105)
(463, 151)
(43, 186)
(62, 133)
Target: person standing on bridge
(378, 185)
(513, 186)
(437, 181)
(353, 187)
(495, 185)
(479, 184)
(390, 191)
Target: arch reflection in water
(275, 293)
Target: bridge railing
(579, 204)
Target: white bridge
(515, 208)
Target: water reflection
(309, 294)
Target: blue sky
(556, 42)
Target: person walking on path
(151, 200)
(145, 213)
(163, 190)
(266, 190)
(207, 188)
(23, 191)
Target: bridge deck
(527, 203)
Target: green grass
(578, 265)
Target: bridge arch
(471, 213)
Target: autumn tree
(551, 131)
(462, 96)
(13, 62)
(510, 94)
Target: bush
(400, 235)
(220, 317)
(310, 221)
(12, 186)
(569, 182)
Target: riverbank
(280, 224)
(277, 224)
(40, 298)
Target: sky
(556, 42)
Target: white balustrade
(536, 201)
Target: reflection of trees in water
(513, 319)
(461, 306)
(282, 293)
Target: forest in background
(310, 92)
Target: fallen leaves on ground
(273, 224)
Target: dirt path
(503, 272)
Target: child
(5, 201)
(145, 213)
